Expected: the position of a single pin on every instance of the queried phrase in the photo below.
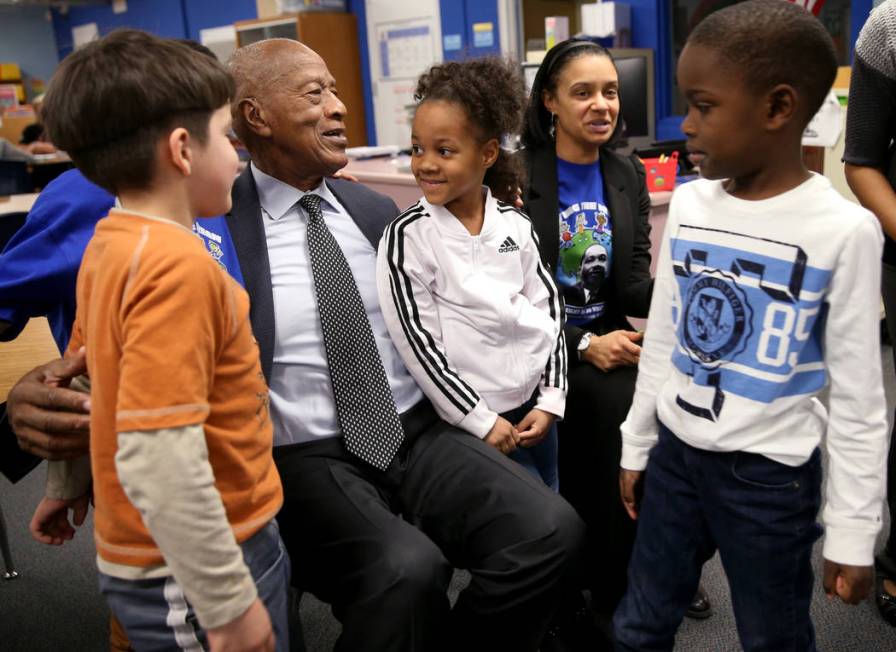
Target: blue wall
(26, 38)
(652, 28)
(170, 18)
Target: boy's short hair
(112, 100)
(773, 42)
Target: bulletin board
(404, 40)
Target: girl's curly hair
(490, 90)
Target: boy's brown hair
(111, 101)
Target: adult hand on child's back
(534, 426)
(630, 490)
(852, 584)
(50, 420)
(250, 632)
(503, 436)
(615, 349)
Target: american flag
(810, 5)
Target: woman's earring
(552, 130)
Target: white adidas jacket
(477, 319)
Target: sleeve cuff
(479, 420)
(634, 457)
(552, 400)
(221, 614)
(68, 479)
(849, 546)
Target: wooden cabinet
(334, 36)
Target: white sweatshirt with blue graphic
(758, 305)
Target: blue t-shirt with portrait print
(586, 241)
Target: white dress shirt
(302, 403)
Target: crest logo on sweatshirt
(715, 316)
(508, 246)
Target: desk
(35, 345)
(17, 203)
(382, 175)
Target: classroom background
(375, 49)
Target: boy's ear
(178, 150)
(490, 152)
(253, 115)
(782, 106)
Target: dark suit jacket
(371, 211)
(625, 190)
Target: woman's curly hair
(490, 90)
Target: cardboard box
(605, 19)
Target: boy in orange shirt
(183, 480)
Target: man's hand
(852, 584)
(630, 488)
(50, 420)
(250, 632)
(50, 522)
(534, 426)
(615, 349)
(503, 436)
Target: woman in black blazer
(589, 206)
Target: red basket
(661, 176)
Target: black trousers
(590, 448)
(380, 546)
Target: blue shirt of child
(39, 265)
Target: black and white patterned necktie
(370, 425)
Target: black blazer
(625, 189)
(370, 210)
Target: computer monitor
(529, 72)
(636, 95)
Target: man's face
(594, 267)
(306, 117)
(724, 121)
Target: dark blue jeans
(760, 516)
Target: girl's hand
(615, 349)
(534, 426)
(502, 436)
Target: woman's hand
(615, 349)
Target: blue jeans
(156, 615)
(759, 514)
(541, 459)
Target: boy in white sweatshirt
(766, 292)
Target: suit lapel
(620, 212)
(247, 230)
(354, 205)
(541, 203)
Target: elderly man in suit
(382, 498)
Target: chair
(9, 224)
(15, 179)
(10, 573)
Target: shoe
(575, 632)
(886, 606)
(700, 607)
